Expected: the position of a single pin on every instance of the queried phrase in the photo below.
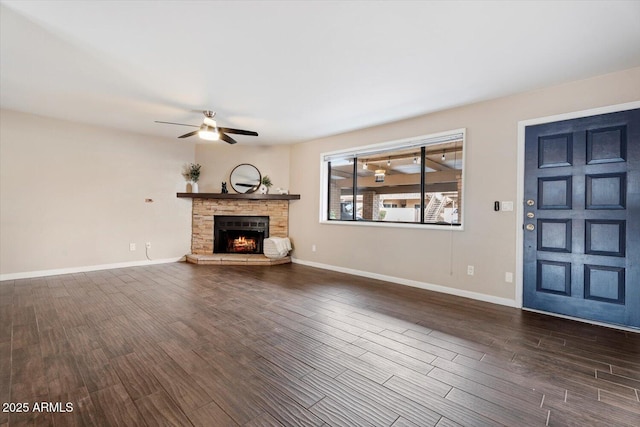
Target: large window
(413, 181)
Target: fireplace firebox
(239, 234)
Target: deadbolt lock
(530, 202)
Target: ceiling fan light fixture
(210, 122)
(209, 133)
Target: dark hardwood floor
(179, 344)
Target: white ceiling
(295, 71)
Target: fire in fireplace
(242, 244)
(239, 234)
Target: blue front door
(582, 218)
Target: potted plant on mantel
(265, 184)
(192, 175)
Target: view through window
(411, 181)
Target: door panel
(582, 218)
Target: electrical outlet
(508, 277)
(470, 270)
(148, 245)
(132, 246)
(313, 248)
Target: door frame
(520, 196)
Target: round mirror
(245, 178)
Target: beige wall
(219, 159)
(441, 257)
(75, 196)
(72, 195)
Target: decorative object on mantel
(282, 191)
(265, 184)
(224, 188)
(276, 247)
(245, 178)
(192, 174)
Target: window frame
(364, 150)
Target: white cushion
(276, 247)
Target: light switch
(507, 206)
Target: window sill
(395, 225)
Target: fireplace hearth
(239, 234)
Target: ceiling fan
(210, 131)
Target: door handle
(530, 227)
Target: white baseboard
(413, 283)
(58, 271)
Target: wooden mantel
(251, 196)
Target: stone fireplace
(209, 209)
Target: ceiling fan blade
(225, 137)
(187, 135)
(239, 131)
(179, 124)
